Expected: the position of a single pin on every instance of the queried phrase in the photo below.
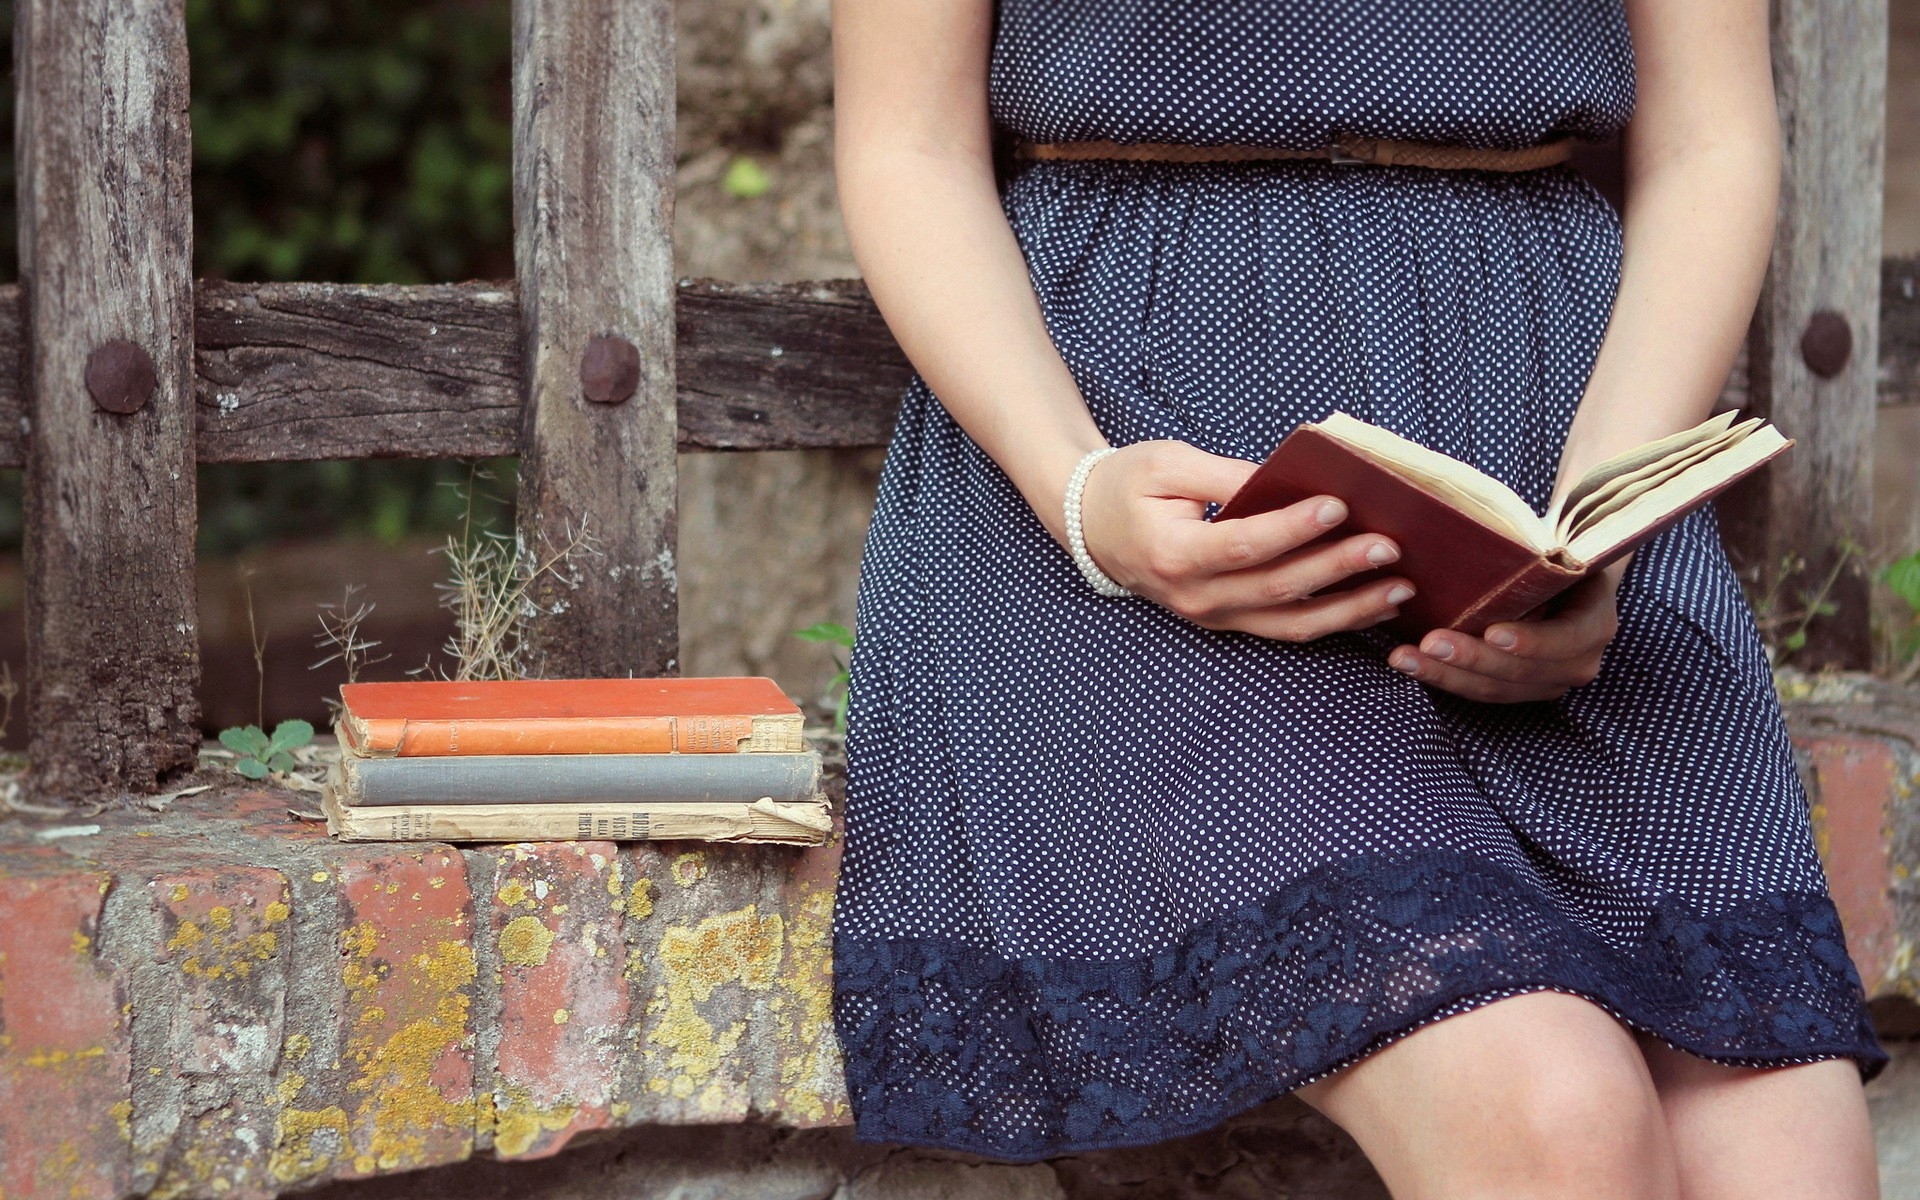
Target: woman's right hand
(1143, 517)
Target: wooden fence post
(103, 146)
(1814, 350)
(593, 114)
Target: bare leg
(1539, 1096)
(1799, 1133)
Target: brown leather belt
(1384, 152)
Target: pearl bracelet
(1076, 538)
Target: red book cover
(569, 716)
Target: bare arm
(914, 170)
(1703, 170)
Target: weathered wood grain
(1899, 375)
(103, 149)
(593, 176)
(1789, 527)
(302, 371)
(785, 366)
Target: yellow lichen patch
(1822, 840)
(437, 882)
(319, 876)
(518, 1121)
(525, 942)
(741, 948)
(122, 1114)
(306, 1143)
(60, 1058)
(561, 1016)
(186, 937)
(298, 1046)
(514, 894)
(690, 868)
(220, 917)
(402, 1105)
(179, 892)
(288, 1089)
(277, 911)
(640, 899)
(810, 1068)
(80, 942)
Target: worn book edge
(763, 821)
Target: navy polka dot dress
(1111, 877)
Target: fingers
(1470, 684)
(1299, 575)
(1249, 541)
(1585, 622)
(1361, 608)
(1540, 660)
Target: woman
(1533, 913)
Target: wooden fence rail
(118, 375)
(291, 372)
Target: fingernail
(1380, 554)
(1503, 638)
(1399, 593)
(1406, 664)
(1441, 649)
(1330, 513)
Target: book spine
(1530, 587)
(793, 825)
(595, 735)
(583, 779)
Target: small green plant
(1902, 577)
(745, 179)
(830, 634)
(258, 755)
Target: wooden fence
(117, 374)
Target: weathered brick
(64, 1046)
(1855, 787)
(408, 965)
(705, 952)
(222, 931)
(558, 924)
(812, 1091)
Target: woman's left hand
(1517, 661)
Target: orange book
(427, 718)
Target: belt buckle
(1352, 152)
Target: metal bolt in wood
(120, 376)
(609, 370)
(1827, 344)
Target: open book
(1477, 553)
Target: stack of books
(574, 759)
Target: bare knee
(1537, 1096)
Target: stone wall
(219, 1001)
(769, 543)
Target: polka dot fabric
(1111, 877)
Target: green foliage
(831, 634)
(745, 179)
(353, 141)
(1902, 577)
(245, 504)
(257, 755)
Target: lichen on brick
(739, 948)
(525, 942)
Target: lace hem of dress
(953, 1046)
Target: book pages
(1675, 495)
(1623, 489)
(1635, 459)
(1473, 491)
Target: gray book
(582, 779)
